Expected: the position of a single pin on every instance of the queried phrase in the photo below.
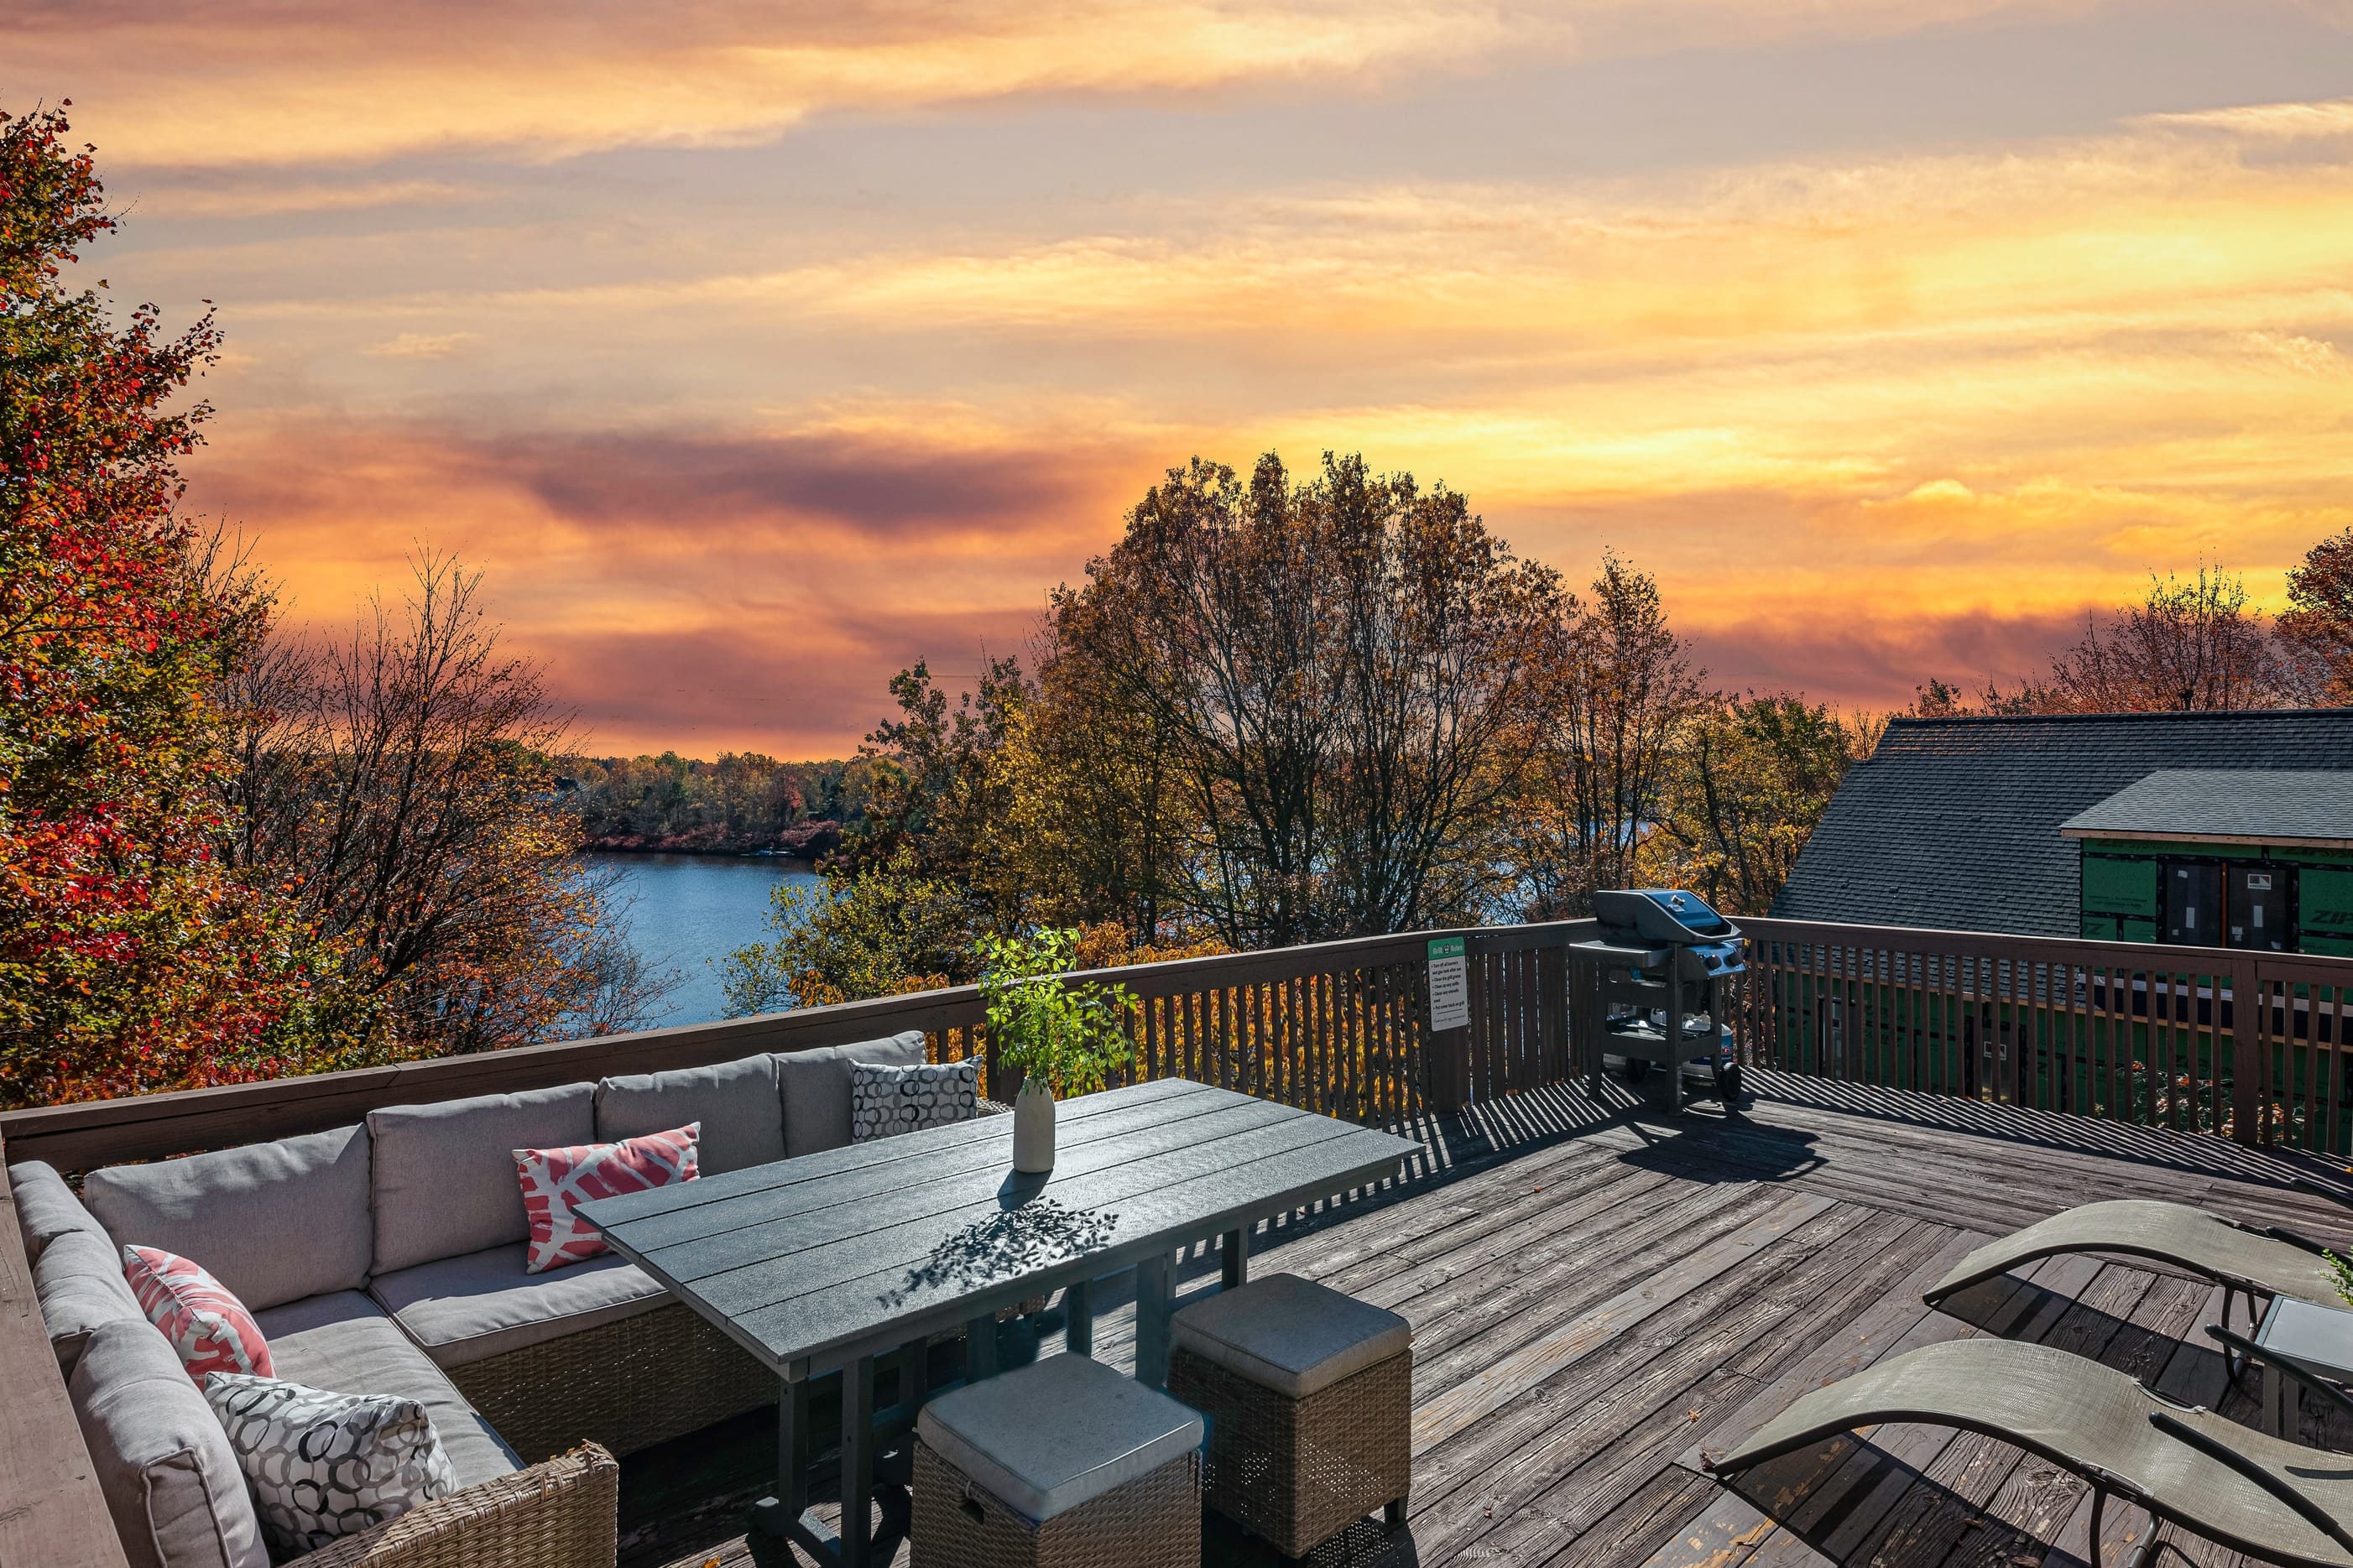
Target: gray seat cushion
(1290, 1334)
(46, 1206)
(78, 1281)
(1052, 1434)
(273, 1222)
(469, 1309)
(171, 1481)
(445, 1174)
(743, 1119)
(815, 1087)
(346, 1343)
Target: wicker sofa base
(562, 1513)
(1297, 1472)
(1152, 1521)
(626, 1385)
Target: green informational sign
(1450, 984)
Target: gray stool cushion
(1290, 1334)
(1051, 1436)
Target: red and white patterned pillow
(555, 1179)
(201, 1317)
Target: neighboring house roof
(2230, 806)
(1955, 823)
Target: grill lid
(1661, 914)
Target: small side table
(2320, 1335)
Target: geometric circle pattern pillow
(553, 1180)
(205, 1322)
(322, 1464)
(885, 1101)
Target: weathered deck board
(1598, 1301)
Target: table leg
(793, 1446)
(2276, 1401)
(780, 1516)
(906, 1366)
(1155, 1300)
(1078, 1318)
(857, 1461)
(980, 1347)
(1233, 1262)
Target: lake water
(692, 911)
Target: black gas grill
(1649, 990)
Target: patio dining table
(859, 1254)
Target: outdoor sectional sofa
(388, 1257)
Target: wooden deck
(1596, 1299)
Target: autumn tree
(2190, 644)
(401, 777)
(878, 930)
(1093, 832)
(1341, 670)
(1616, 692)
(2317, 625)
(935, 789)
(1748, 779)
(131, 958)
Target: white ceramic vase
(1033, 1127)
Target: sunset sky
(758, 349)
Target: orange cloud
(1874, 412)
(747, 593)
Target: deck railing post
(1447, 1062)
(1552, 1005)
(2249, 1055)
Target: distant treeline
(743, 804)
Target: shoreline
(783, 861)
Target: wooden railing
(2244, 1044)
(1338, 1027)
(2202, 1039)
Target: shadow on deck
(1599, 1296)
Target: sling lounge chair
(2252, 1493)
(2264, 1262)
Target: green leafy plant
(1066, 1036)
(2343, 1271)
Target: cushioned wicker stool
(1309, 1398)
(1061, 1464)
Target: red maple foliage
(131, 959)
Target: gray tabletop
(2322, 1335)
(810, 1263)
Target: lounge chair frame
(2082, 1416)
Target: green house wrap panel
(2118, 928)
(2325, 895)
(2114, 887)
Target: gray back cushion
(46, 1206)
(79, 1280)
(743, 1122)
(815, 1085)
(273, 1222)
(171, 1481)
(445, 1174)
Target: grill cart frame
(1661, 952)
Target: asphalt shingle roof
(1954, 823)
(2228, 803)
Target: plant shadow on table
(1027, 1233)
